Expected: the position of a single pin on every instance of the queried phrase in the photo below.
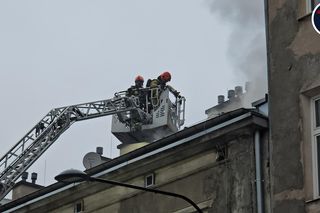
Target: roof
(188, 133)
(25, 183)
(260, 101)
(222, 105)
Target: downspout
(258, 172)
(269, 204)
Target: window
(78, 206)
(221, 153)
(311, 4)
(315, 105)
(149, 180)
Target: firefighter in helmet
(138, 84)
(158, 85)
(161, 82)
(136, 90)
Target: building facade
(221, 164)
(294, 91)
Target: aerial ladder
(128, 123)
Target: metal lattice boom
(22, 155)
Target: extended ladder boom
(22, 155)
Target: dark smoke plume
(247, 46)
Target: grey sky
(57, 53)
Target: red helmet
(139, 78)
(166, 76)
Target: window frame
(75, 206)
(152, 175)
(310, 5)
(315, 132)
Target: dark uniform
(137, 91)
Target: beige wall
(190, 169)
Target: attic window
(149, 180)
(221, 152)
(78, 206)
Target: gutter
(172, 145)
(93, 172)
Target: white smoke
(247, 46)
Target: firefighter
(157, 86)
(161, 81)
(39, 128)
(136, 90)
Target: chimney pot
(34, 177)
(220, 99)
(238, 91)
(24, 176)
(99, 150)
(231, 94)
